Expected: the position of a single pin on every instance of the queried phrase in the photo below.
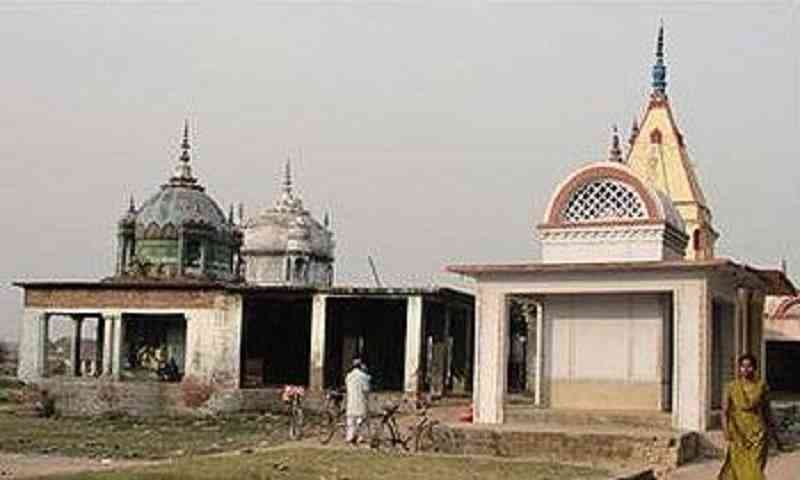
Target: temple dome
(603, 212)
(176, 205)
(286, 244)
(178, 232)
(609, 193)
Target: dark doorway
(276, 341)
(372, 329)
(782, 361)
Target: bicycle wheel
(296, 424)
(443, 438)
(328, 428)
(434, 437)
(387, 436)
(423, 439)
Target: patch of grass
(128, 437)
(334, 464)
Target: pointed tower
(658, 154)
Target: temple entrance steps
(588, 419)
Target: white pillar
(690, 403)
(414, 333)
(117, 361)
(491, 361)
(109, 334)
(316, 374)
(32, 348)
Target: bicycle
(430, 434)
(333, 417)
(293, 395)
(387, 433)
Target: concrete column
(690, 405)
(414, 331)
(448, 350)
(492, 360)
(316, 375)
(529, 311)
(108, 344)
(75, 347)
(118, 361)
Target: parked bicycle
(387, 433)
(333, 416)
(430, 434)
(426, 434)
(292, 396)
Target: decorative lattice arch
(603, 199)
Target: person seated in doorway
(357, 383)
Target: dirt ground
(19, 465)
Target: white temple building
(628, 308)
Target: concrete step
(517, 413)
(668, 449)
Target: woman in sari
(746, 423)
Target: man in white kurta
(357, 383)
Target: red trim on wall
(597, 173)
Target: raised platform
(636, 438)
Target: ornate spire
(634, 131)
(185, 158)
(615, 152)
(659, 69)
(132, 205)
(287, 177)
(183, 171)
(327, 220)
(288, 201)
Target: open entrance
(782, 360)
(371, 329)
(723, 349)
(154, 347)
(74, 346)
(276, 341)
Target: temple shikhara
(629, 308)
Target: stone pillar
(75, 347)
(316, 375)
(118, 361)
(492, 335)
(414, 332)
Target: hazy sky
(434, 133)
